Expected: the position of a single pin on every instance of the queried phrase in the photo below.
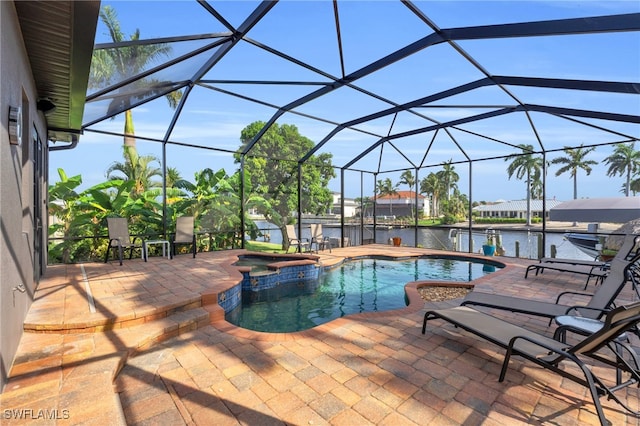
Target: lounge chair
(550, 353)
(603, 298)
(590, 268)
(587, 326)
(119, 238)
(318, 239)
(184, 234)
(301, 244)
(591, 272)
(627, 250)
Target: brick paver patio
(157, 350)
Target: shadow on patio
(157, 350)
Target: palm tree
(408, 179)
(449, 178)
(386, 187)
(173, 177)
(366, 202)
(575, 160)
(457, 205)
(624, 160)
(634, 186)
(525, 165)
(111, 65)
(431, 185)
(137, 168)
(537, 185)
(176, 185)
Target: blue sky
(371, 30)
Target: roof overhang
(608, 210)
(59, 37)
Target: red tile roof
(399, 195)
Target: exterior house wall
(514, 209)
(350, 206)
(19, 264)
(400, 206)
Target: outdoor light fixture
(15, 125)
(46, 105)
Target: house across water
(401, 204)
(514, 209)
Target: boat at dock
(587, 243)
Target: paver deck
(146, 343)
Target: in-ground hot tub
(268, 271)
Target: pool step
(59, 351)
(106, 322)
(171, 326)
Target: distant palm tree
(537, 185)
(525, 165)
(634, 186)
(408, 179)
(431, 185)
(625, 160)
(112, 65)
(386, 187)
(365, 202)
(449, 178)
(137, 168)
(175, 179)
(575, 160)
(175, 185)
(457, 205)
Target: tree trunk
(129, 133)
(528, 200)
(285, 238)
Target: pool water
(363, 285)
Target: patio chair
(603, 298)
(302, 244)
(590, 268)
(589, 271)
(627, 250)
(318, 239)
(550, 353)
(184, 235)
(119, 238)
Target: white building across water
(514, 209)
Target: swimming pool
(362, 285)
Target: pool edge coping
(415, 301)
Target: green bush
(450, 219)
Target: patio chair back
(316, 231)
(630, 247)
(318, 239)
(295, 241)
(119, 238)
(616, 322)
(118, 229)
(292, 234)
(184, 234)
(184, 229)
(606, 293)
